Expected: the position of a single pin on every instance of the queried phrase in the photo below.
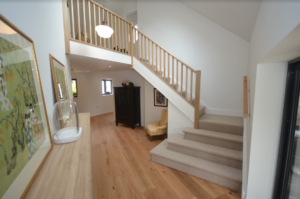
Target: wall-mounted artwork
(24, 130)
(59, 76)
(160, 99)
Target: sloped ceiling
(237, 16)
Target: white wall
(177, 121)
(90, 97)
(275, 20)
(267, 119)
(152, 113)
(36, 19)
(202, 44)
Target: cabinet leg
(150, 138)
(116, 123)
(165, 136)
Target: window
(106, 87)
(74, 88)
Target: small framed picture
(160, 99)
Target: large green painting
(21, 127)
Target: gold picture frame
(59, 80)
(25, 135)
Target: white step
(214, 172)
(208, 152)
(225, 140)
(222, 123)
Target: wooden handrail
(245, 97)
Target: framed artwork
(160, 99)
(59, 76)
(25, 138)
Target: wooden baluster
(108, 39)
(197, 99)
(177, 89)
(168, 68)
(72, 19)
(191, 89)
(139, 45)
(119, 32)
(95, 32)
(142, 53)
(115, 33)
(181, 80)
(145, 45)
(173, 73)
(149, 52)
(78, 21)
(122, 33)
(164, 65)
(103, 18)
(127, 40)
(156, 65)
(186, 83)
(134, 40)
(84, 21)
(99, 14)
(132, 32)
(90, 22)
(112, 27)
(153, 57)
(160, 65)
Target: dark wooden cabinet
(128, 105)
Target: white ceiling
(80, 64)
(237, 16)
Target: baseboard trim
(102, 113)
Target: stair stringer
(162, 86)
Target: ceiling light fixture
(104, 30)
(109, 66)
(87, 71)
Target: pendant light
(104, 30)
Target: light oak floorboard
(122, 167)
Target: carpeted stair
(212, 152)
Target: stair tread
(222, 119)
(214, 134)
(211, 167)
(178, 139)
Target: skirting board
(93, 115)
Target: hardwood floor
(123, 168)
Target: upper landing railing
(82, 16)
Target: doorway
(287, 180)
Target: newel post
(197, 99)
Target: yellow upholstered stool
(159, 127)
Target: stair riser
(236, 130)
(231, 184)
(214, 141)
(206, 156)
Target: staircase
(212, 152)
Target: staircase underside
(206, 153)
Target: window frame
(111, 85)
(76, 87)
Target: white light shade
(104, 31)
